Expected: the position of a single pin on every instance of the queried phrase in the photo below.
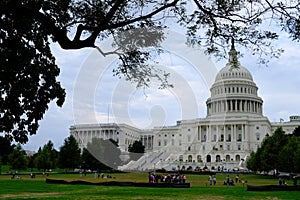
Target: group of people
(212, 180)
(281, 181)
(228, 181)
(175, 178)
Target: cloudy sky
(95, 96)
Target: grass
(27, 188)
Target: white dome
(234, 91)
(230, 72)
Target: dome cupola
(233, 69)
(234, 91)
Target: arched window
(218, 158)
(190, 158)
(227, 158)
(208, 158)
(237, 158)
(199, 158)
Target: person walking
(210, 180)
(214, 180)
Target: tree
(272, 146)
(31, 160)
(105, 151)
(6, 148)
(287, 155)
(278, 151)
(46, 157)
(296, 132)
(69, 154)
(252, 163)
(136, 149)
(17, 159)
(29, 73)
(88, 161)
(297, 159)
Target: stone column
(217, 134)
(241, 105)
(234, 132)
(207, 133)
(231, 132)
(245, 132)
(236, 103)
(200, 131)
(207, 109)
(152, 141)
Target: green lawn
(27, 188)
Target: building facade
(233, 128)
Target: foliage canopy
(279, 151)
(69, 154)
(28, 78)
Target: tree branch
(61, 35)
(113, 10)
(124, 23)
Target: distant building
(30, 153)
(234, 127)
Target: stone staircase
(149, 161)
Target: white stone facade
(234, 127)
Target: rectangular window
(239, 147)
(215, 138)
(228, 147)
(239, 138)
(181, 158)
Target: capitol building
(233, 128)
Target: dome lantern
(233, 60)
